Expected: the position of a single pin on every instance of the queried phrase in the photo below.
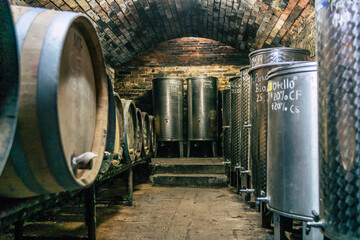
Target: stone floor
(167, 213)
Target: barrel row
(59, 116)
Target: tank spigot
(237, 167)
(247, 191)
(262, 199)
(226, 163)
(244, 172)
(247, 125)
(317, 223)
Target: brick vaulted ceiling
(129, 27)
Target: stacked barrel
(60, 125)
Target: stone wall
(183, 58)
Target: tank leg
(90, 212)
(238, 180)
(214, 148)
(181, 149)
(266, 215)
(156, 149)
(130, 187)
(314, 234)
(18, 231)
(188, 149)
(281, 224)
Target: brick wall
(183, 58)
(127, 28)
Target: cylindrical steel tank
(292, 165)
(338, 51)
(9, 82)
(152, 126)
(262, 61)
(131, 138)
(168, 104)
(235, 86)
(202, 109)
(245, 118)
(63, 105)
(226, 141)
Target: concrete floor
(165, 213)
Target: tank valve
(241, 191)
(226, 163)
(244, 172)
(262, 199)
(247, 125)
(237, 167)
(317, 223)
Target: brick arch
(129, 27)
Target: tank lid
(244, 68)
(274, 65)
(295, 68)
(202, 77)
(167, 78)
(282, 49)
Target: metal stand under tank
(283, 224)
(202, 113)
(168, 103)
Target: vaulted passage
(127, 28)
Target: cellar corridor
(164, 213)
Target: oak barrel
(9, 82)
(152, 134)
(111, 130)
(63, 105)
(139, 130)
(120, 131)
(130, 126)
(145, 135)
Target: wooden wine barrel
(139, 129)
(120, 131)
(63, 105)
(145, 135)
(152, 134)
(111, 130)
(130, 126)
(9, 82)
